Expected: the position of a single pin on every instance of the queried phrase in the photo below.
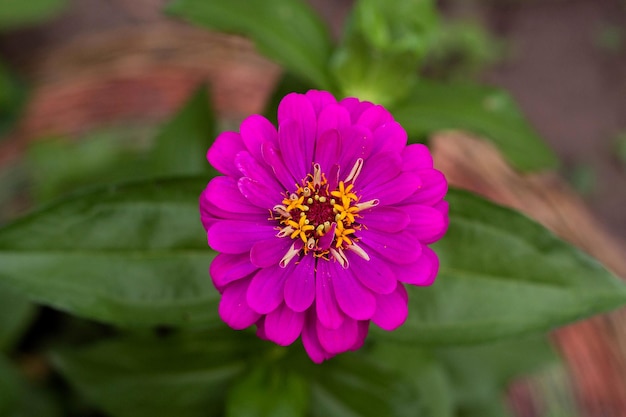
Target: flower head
(321, 222)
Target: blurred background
(84, 85)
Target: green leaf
(268, 392)
(384, 43)
(16, 313)
(12, 98)
(287, 31)
(132, 254)
(15, 13)
(486, 111)
(185, 375)
(503, 275)
(180, 148)
(9, 387)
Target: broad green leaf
(9, 387)
(132, 254)
(180, 148)
(184, 375)
(486, 111)
(16, 13)
(287, 31)
(12, 98)
(16, 313)
(384, 43)
(503, 275)
(268, 392)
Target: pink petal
(340, 339)
(298, 108)
(356, 142)
(416, 156)
(222, 153)
(374, 117)
(390, 137)
(392, 309)
(300, 285)
(256, 130)
(352, 297)
(402, 247)
(311, 342)
(224, 193)
(394, 191)
(375, 274)
(333, 117)
(233, 309)
(227, 268)
(363, 328)
(269, 252)
(320, 99)
(238, 237)
(251, 168)
(421, 272)
(267, 288)
(428, 223)
(326, 306)
(433, 189)
(274, 159)
(328, 150)
(283, 325)
(355, 107)
(379, 168)
(292, 143)
(385, 219)
(258, 194)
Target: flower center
(322, 220)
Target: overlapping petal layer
(321, 222)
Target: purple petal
(374, 117)
(333, 117)
(428, 223)
(298, 108)
(283, 325)
(340, 339)
(251, 168)
(274, 159)
(311, 342)
(267, 288)
(326, 306)
(392, 309)
(258, 194)
(208, 209)
(378, 169)
(256, 130)
(434, 188)
(233, 309)
(355, 107)
(292, 143)
(416, 156)
(385, 218)
(227, 268)
(363, 328)
(222, 153)
(421, 272)
(375, 274)
(328, 150)
(320, 99)
(300, 285)
(269, 252)
(352, 297)
(402, 247)
(238, 237)
(224, 193)
(394, 191)
(356, 142)
(390, 137)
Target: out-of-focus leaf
(15, 13)
(288, 83)
(180, 148)
(486, 111)
(287, 31)
(12, 98)
(133, 254)
(16, 313)
(384, 43)
(267, 392)
(185, 375)
(503, 275)
(9, 387)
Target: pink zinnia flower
(320, 223)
